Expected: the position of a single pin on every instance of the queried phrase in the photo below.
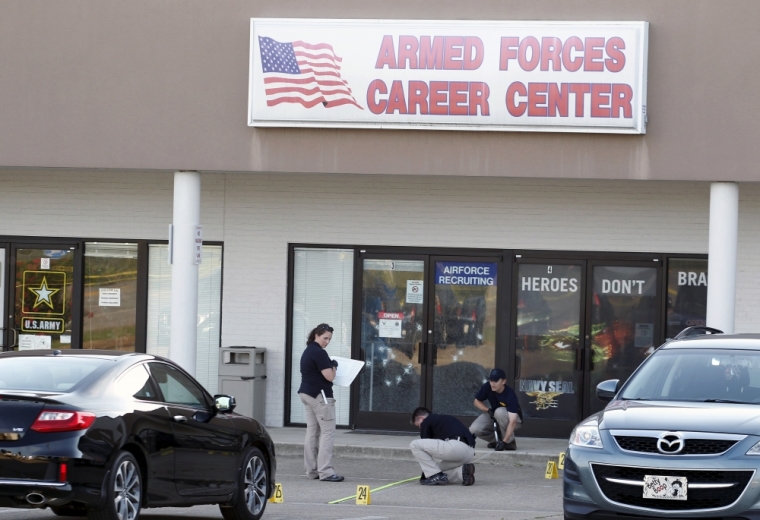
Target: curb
(506, 458)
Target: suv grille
(691, 446)
(697, 498)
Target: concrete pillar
(721, 276)
(187, 210)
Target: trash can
(243, 374)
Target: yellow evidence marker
(561, 464)
(363, 497)
(551, 470)
(277, 495)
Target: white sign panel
(33, 342)
(414, 291)
(109, 298)
(453, 75)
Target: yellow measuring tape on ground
(370, 491)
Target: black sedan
(105, 434)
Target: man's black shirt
(444, 427)
(507, 398)
(313, 360)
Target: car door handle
(179, 418)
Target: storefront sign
(52, 325)
(109, 297)
(34, 342)
(545, 284)
(454, 75)
(465, 273)
(389, 324)
(414, 291)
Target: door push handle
(422, 353)
(579, 358)
(179, 418)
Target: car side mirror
(607, 390)
(224, 403)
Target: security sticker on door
(389, 324)
(414, 291)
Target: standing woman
(317, 374)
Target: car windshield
(700, 375)
(45, 374)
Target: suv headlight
(587, 435)
(754, 450)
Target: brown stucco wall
(162, 84)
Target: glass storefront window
(322, 293)
(687, 294)
(623, 322)
(110, 296)
(44, 280)
(209, 310)
(392, 330)
(464, 333)
(548, 340)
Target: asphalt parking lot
(501, 492)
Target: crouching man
(445, 449)
(505, 410)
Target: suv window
(176, 387)
(698, 375)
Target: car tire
(250, 499)
(123, 491)
(69, 510)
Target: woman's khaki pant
(320, 435)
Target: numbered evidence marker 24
(551, 470)
(277, 495)
(363, 497)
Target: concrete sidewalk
(350, 444)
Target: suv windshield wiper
(725, 401)
(634, 399)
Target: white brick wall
(257, 216)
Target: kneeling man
(505, 410)
(445, 445)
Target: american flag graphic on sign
(304, 73)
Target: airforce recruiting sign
(454, 75)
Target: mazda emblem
(670, 443)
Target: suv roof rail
(696, 331)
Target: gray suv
(680, 439)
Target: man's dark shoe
(435, 480)
(468, 474)
(510, 446)
(500, 446)
(491, 445)
(332, 478)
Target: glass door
(623, 322)
(393, 332)
(4, 332)
(45, 296)
(548, 344)
(427, 334)
(462, 349)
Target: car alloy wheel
(255, 482)
(126, 491)
(251, 496)
(123, 491)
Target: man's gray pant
(482, 427)
(452, 454)
(320, 435)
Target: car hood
(681, 416)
